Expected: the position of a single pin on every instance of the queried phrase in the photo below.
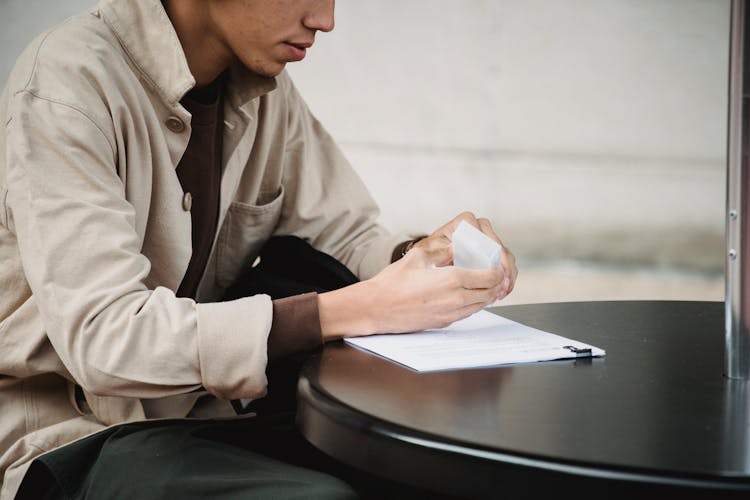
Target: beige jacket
(94, 238)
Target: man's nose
(320, 16)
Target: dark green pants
(259, 457)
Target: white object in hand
(473, 249)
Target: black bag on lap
(288, 266)
(291, 266)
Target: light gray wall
(22, 20)
(585, 129)
(588, 130)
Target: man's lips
(298, 49)
(301, 45)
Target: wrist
(346, 312)
(402, 249)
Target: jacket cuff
(296, 326)
(232, 346)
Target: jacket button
(175, 124)
(187, 202)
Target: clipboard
(483, 339)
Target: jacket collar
(147, 35)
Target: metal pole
(737, 298)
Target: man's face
(266, 34)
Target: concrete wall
(586, 130)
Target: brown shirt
(295, 325)
(199, 172)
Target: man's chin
(268, 71)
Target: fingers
(480, 297)
(507, 259)
(467, 311)
(481, 223)
(467, 217)
(473, 301)
(479, 286)
(448, 228)
(485, 226)
(472, 279)
(440, 252)
(508, 262)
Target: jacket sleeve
(326, 201)
(81, 255)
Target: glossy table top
(656, 409)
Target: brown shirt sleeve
(295, 327)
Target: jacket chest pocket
(246, 228)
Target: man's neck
(206, 55)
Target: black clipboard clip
(580, 352)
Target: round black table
(655, 416)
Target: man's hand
(438, 247)
(418, 292)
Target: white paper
(473, 249)
(483, 339)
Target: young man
(149, 150)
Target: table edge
(321, 419)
